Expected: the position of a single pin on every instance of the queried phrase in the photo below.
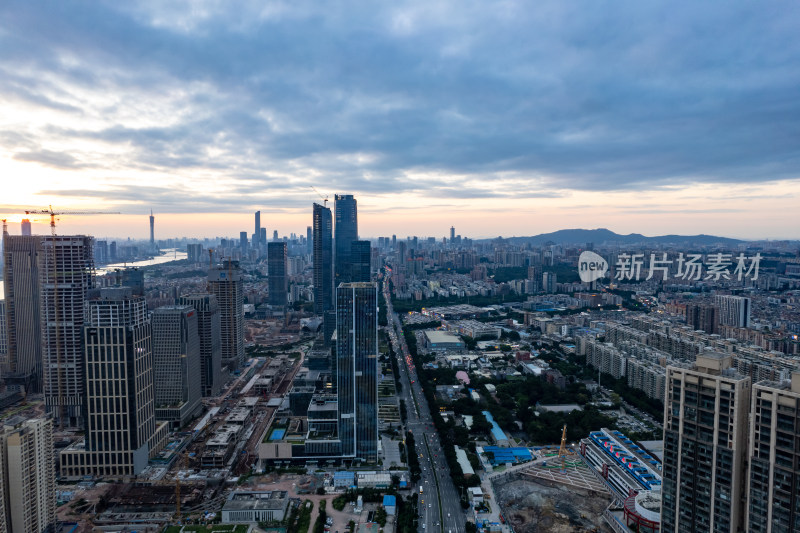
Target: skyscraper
(309, 240)
(176, 364)
(27, 476)
(360, 261)
(705, 446)
(152, 231)
(208, 326)
(345, 232)
(278, 281)
(243, 242)
(3, 339)
(323, 259)
(257, 233)
(225, 283)
(773, 494)
(121, 433)
(26, 227)
(452, 235)
(66, 273)
(21, 256)
(275, 235)
(357, 369)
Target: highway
(441, 510)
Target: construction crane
(324, 198)
(59, 364)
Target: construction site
(556, 492)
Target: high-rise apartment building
(773, 493)
(702, 316)
(121, 433)
(243, 242)
(309, 240)
(27, 476)
(705, 446)
(3, 338)
(23, 320)
(176, 364)
(66, 273)
(733, 310)
(357, 369)
(345, 232)
(225, 283)
(208, 327)
(323, 259)
(278, 280)
(549, 281)
(360, 261)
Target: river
(165, 257)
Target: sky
(496, 117)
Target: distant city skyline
(500, 119)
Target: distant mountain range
(605, 236)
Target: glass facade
(323, 259)
(357, 369)
(346, 229)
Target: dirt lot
(535, 506)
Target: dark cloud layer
(360, 96)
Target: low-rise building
(251, 507)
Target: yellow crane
(53, 214)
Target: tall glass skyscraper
(278, 281)
(357, 369)
(225, 283)
(346, 231)
(360, 261)
(323, 259)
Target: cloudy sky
(499, 117)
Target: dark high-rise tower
(278, 282)
(357, 369)
(309, 240)
(225, 282)
(208, 326)
(152, 230)
(452, 235)
(257, 234)
(323, 259)
(345, 232)
(360, 261)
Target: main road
(439, 502)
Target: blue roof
(389, 501)
(343, 474)
(497, 433)
(509, 455)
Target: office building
(152, 231)
(22, 317)
(194, 253)
(357, 369)
(257, 232)
(309, 240)
(733, 310)
(66, 273)
(275, 235)
(225, 283)
(278, 280)
(323, 259)
(345, 232)
(208, 327)
(176, 364)
(26, 227)
(121, 433)
(361, 261)
(705, 446)
(773, 494)
(452, 235)
(27, 476)
(263, 237)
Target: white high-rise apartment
(27, 476)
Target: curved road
(441, 510)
